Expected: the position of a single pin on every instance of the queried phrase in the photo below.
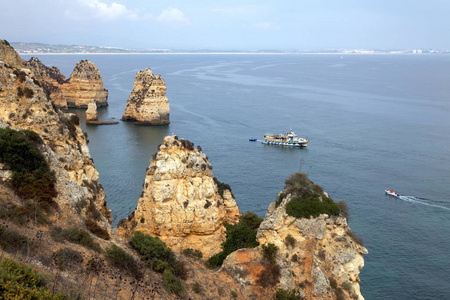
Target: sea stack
(91, 112)
(85, 84)
(148, 104)
(180, 202)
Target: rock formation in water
(180, 202)
(148, 104)
(85, 84)
(91, 112)
(319, 256)
(92, 116)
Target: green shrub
(194, 253)
(289, 241)
(17, 281)
(172, 283)
(28, 92)
(279, 199)
(13, 241)
(308, 198)
(285, 295)
(270, 276)
(21, 214)
(348, 286)
(97, 229)
(152, 250)
(343, 208)
(311, 205)
(269, 252)
(67, 258)
(197, 288)
(31, 174)
(355, 238)
(76, 236)
(298, 184)
(222, 187)
(238, 236)
(122, 260)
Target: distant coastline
(47, 49)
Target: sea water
(375, 122)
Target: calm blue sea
(374, 122)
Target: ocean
(375, 122)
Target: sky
(230, 24)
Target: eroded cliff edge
(148, 104)
(180, 202)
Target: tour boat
(391, 193)
(285, 139)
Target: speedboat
(252, 139)
(391, 193)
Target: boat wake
(421, 201)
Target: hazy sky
(232, 24)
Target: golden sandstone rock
(318, 254)
(180, 202)
(85, 84)
(148, 104)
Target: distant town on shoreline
(40, 48)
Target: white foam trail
(416, 200)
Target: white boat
(285, 139)
(391, 193)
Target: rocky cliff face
(50, 79)
(24, 105)
(9, 56)
(318, 257)
(85, 84)
(148, 103)
(180, 202)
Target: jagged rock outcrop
(85, 84)
(91, 112)
(9, 56)
(180, 202)
(148, 104)
(24, 105)
(50, 79)
(318, 257)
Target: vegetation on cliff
(17, 281)
(31, 174)
(240, 235)
(308, 199)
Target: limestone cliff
(319, 258)
(180, 202)
(85, 84)
(148, 103)
(24, 105)
(9, 56)
(50, 79)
